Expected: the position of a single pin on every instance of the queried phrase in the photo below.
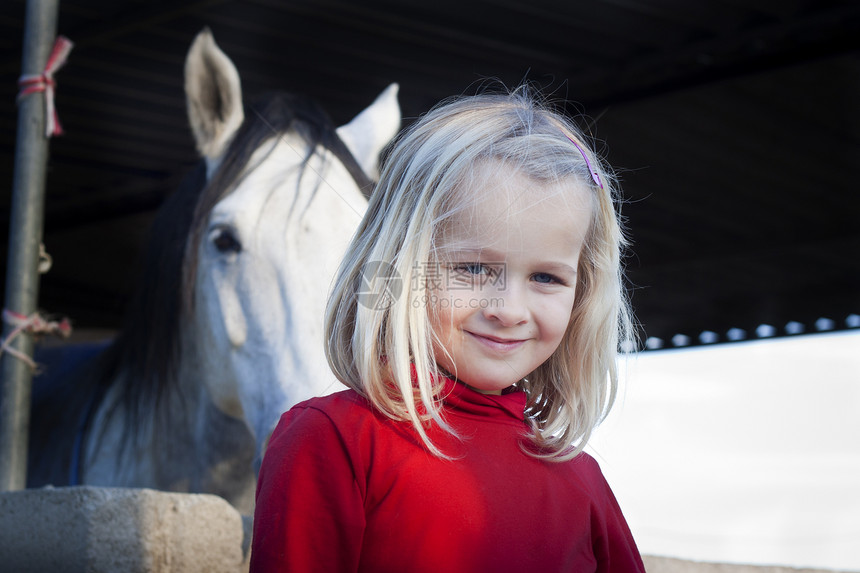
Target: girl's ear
(371, 130)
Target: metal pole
(25, 236)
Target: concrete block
(93, 530)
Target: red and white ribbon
(44, 82)
(33, 324)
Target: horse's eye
(226, 242)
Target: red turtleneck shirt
(343, 488)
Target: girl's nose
(507, 306)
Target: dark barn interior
(734, 126)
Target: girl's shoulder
(344, 399)
(338, 406)
(586, 466)
(341, 422)
(342, 413)
(586, 471)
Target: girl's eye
(546, 279)
(472, 268)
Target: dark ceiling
(734, 125)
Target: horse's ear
(213, 94)
(371, 130)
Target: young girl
(475, 320)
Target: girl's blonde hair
(376, 322)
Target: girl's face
(502, 291)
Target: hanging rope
(44, 82)
(34, 324)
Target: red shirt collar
(510, 404)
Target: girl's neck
(447, 374)
(478, 390)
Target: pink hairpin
(594, 174)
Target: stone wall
(77, 529)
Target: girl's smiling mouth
(496, 343)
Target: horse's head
(282, 202)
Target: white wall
(746, 452)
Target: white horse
(225, 332)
